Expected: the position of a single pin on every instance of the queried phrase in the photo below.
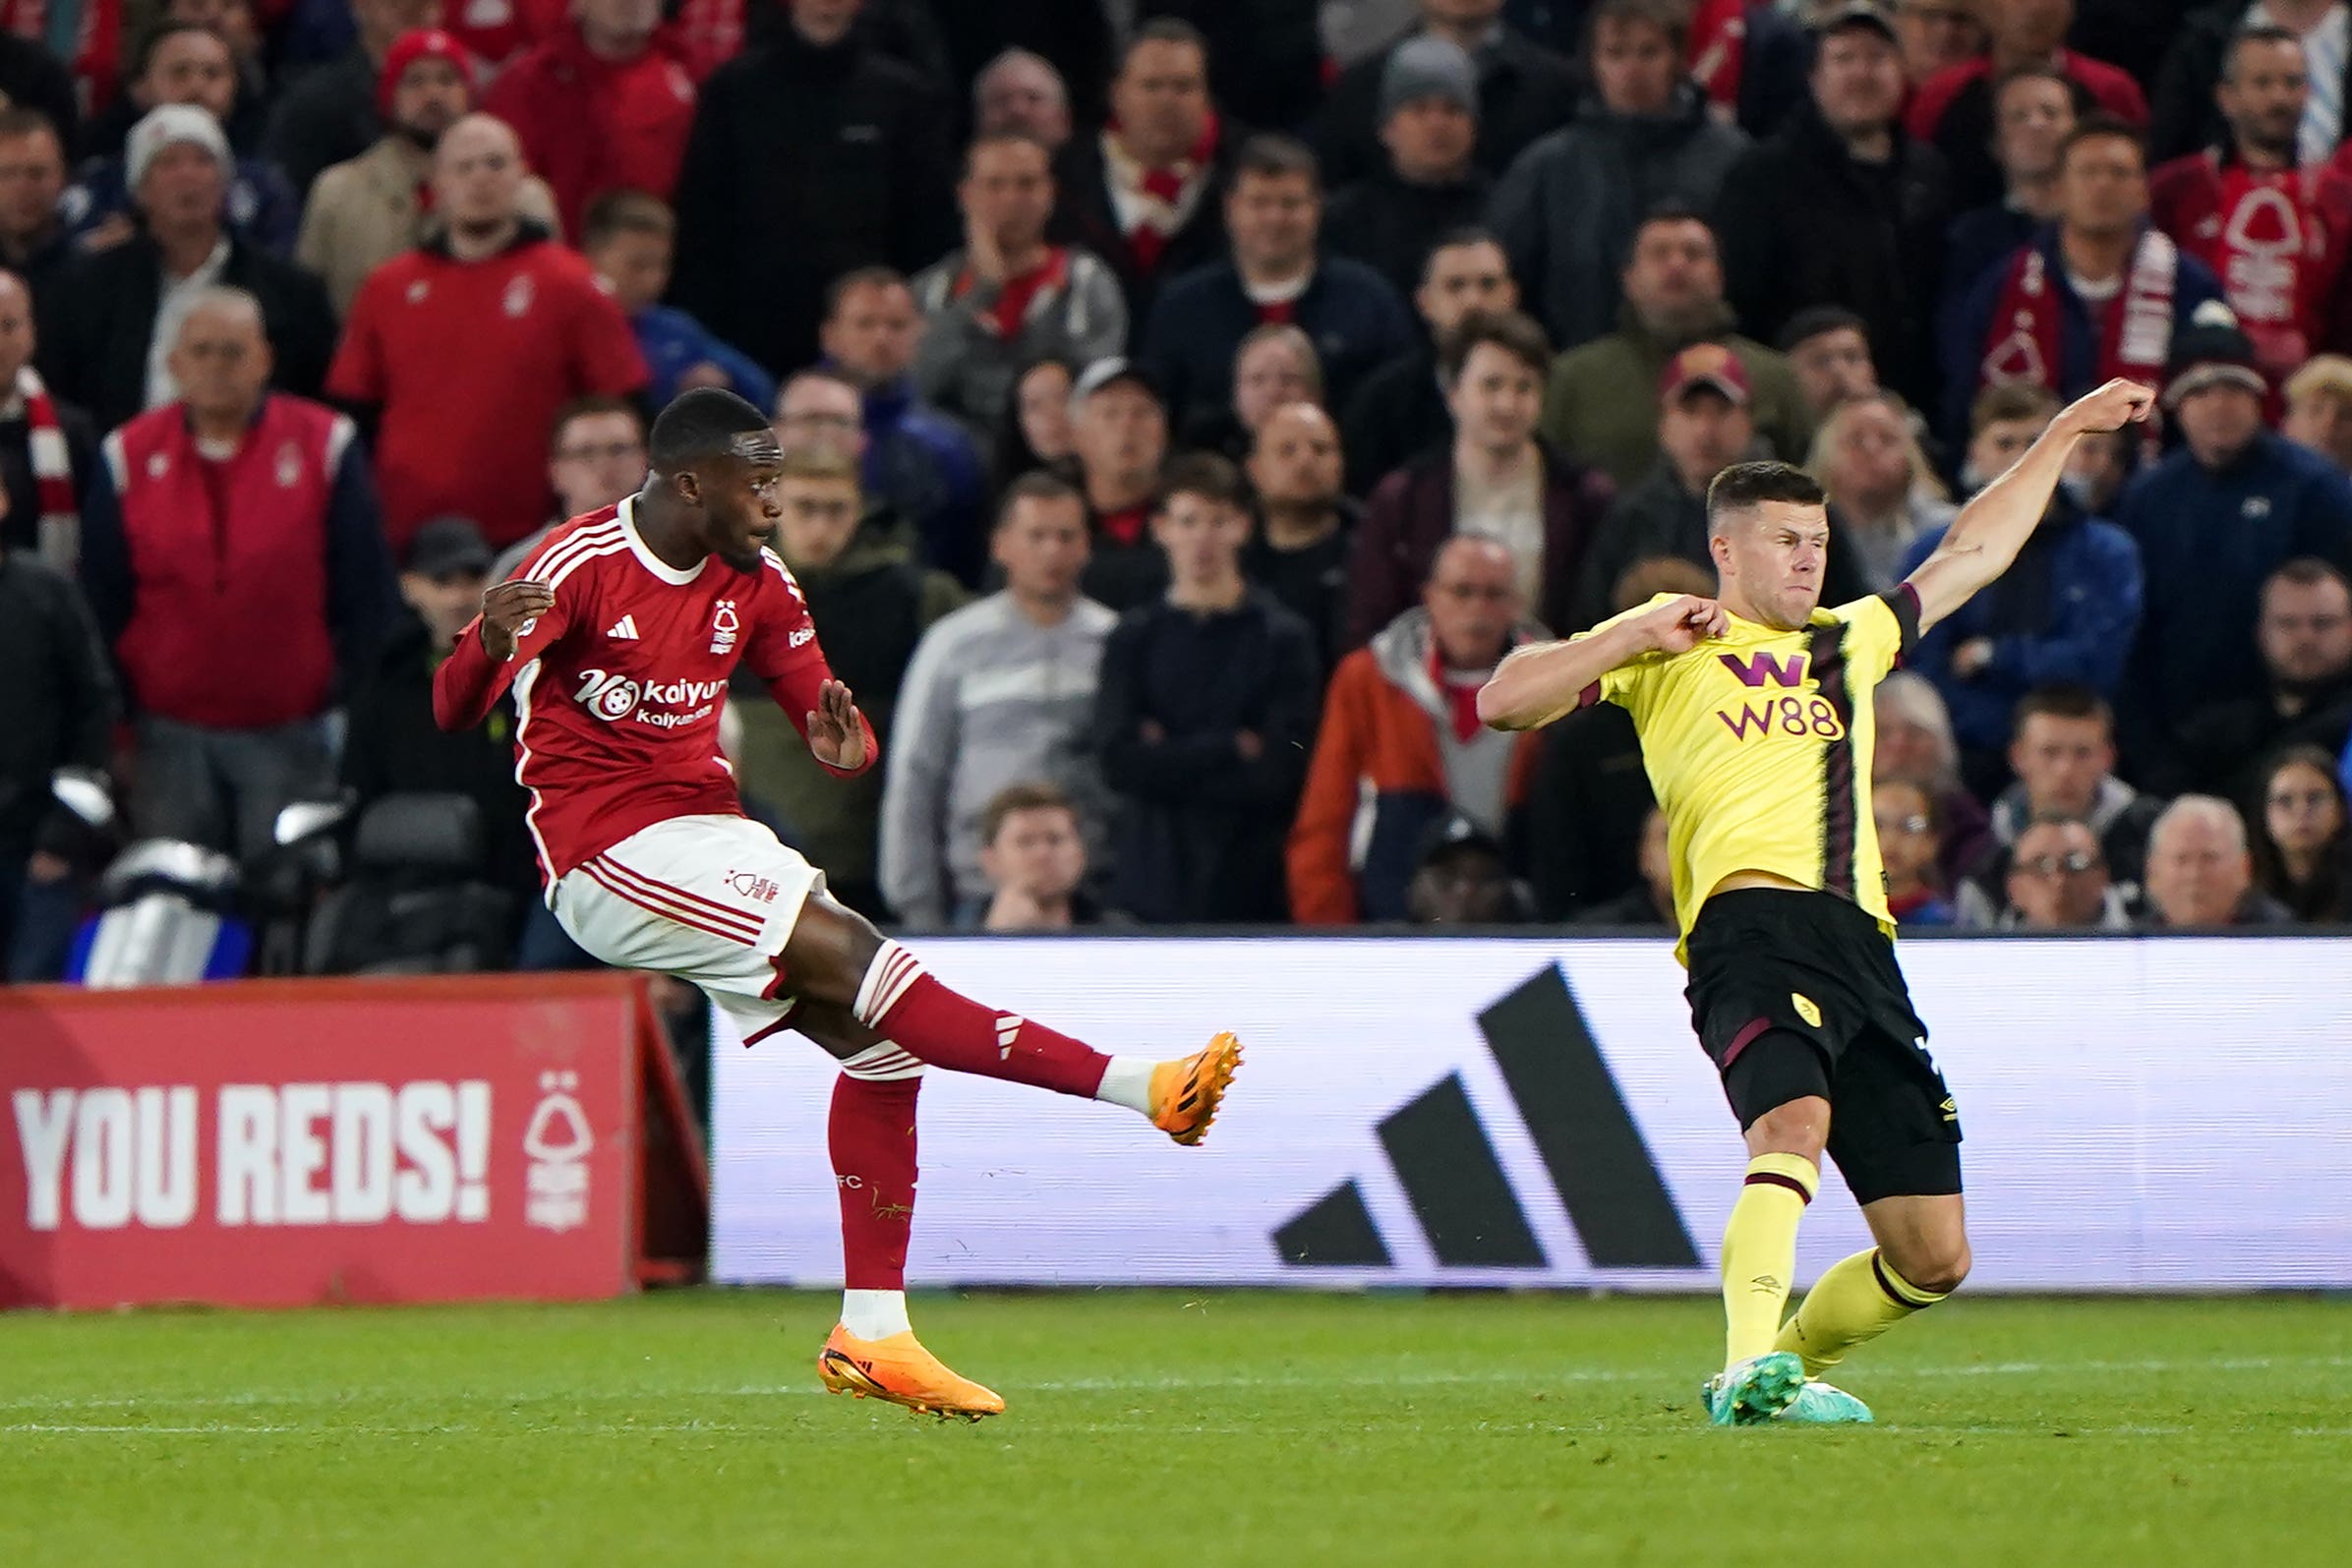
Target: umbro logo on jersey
(625, 629)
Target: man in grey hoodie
(1000, 693)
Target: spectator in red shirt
(467, 345)
(2272, 232)
(1954, 108)
(603, 104)
(242, 508)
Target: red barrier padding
(283, 1143)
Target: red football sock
(871, 1135)
(903, 1002)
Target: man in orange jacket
(1401, 745)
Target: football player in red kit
(618, 640)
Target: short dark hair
(2309, 572)
(1671, 209)
(626, 212)
(1459, 239)
(1512, 331)
(2265, 33)
(590, 408)
(1273, 156)
(2062, 699)
(163, 31)
(2011, 400)
(698, 425)
(18, 121)
(1032, 795)
(1817, 320)
(1673, 17)
(1204, 474)
(1164, 29)
(1037, 485)
(862, 278)
(1745, 485)
(2030, 71)
(2102, 128)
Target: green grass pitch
(1164, 1427)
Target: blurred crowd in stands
(1186, 405)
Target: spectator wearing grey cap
(1524, 91)
(1426, 186)
(1570, 206)
(108, 320)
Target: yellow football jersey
(1758, 745)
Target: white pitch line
(1531, 1379)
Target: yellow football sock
(1856, 1302)
(1759, 1251)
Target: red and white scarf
(1020, 296)
(2134, 335)
(60, 535)
(1154, 204)
(1719, 51)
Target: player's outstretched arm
(1991, 529)
(1543, 681)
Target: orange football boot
(1186, 1092)
(899, 1369)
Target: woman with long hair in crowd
(2301, 841)
(1034, 433)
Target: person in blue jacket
(2214, 520)
(2066, 611)
(627, 236)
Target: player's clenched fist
(2109, 408)
(1681, 624)
(508, 612)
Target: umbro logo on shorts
(625, 629)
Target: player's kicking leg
(1921, 1256)
(835, 956)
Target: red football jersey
(618, 688)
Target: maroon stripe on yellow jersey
(1840, 810)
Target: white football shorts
(710, 899)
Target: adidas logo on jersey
(625, 629)
(1008, 1031)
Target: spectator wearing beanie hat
(1427, 187)
(1524, 91)
(262, 207)
(604, 103)
(2214, 520)
(368, 210)
(108, 318)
